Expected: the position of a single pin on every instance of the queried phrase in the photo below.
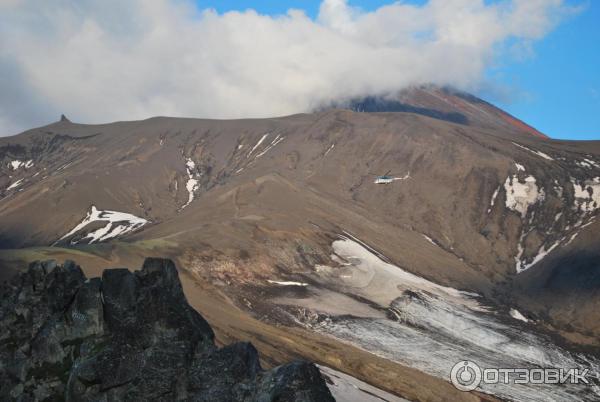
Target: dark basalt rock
(127, 336)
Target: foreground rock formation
(127, 336)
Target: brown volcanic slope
(310, 170)
(270, 195)
(446, 104)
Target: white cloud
(102, 60)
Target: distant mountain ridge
(443, 103)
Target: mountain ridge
(256, 208)
(444, 103)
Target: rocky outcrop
(127, 336)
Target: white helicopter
(387, 179)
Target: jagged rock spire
(134, 336)
(64, 118)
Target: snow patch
(587, 195)
(587, 163)
(16, 164)
(591, 162)
(192, 183)
(118, 224)
(538, 153)
(346, 388)
(558, 188)
(493, 201)
(329, 150)
(288, 283)
(519, 196)
(15, 184)
(573, 237)
(520, 167)
(429, 239)
(589, 223)
(516, 314)
(391, 279)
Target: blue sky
(310, 7)
(556, 88)
(561, 82)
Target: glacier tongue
(431, 327)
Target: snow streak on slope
(431, 327)
(538, 153)
(15, 184)
(258, 144)
(429, 239)
(493, 200)
(288, 283)
(117, 224)
(516, 314)
(276, 141)
(192, 184)
(542, 252)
